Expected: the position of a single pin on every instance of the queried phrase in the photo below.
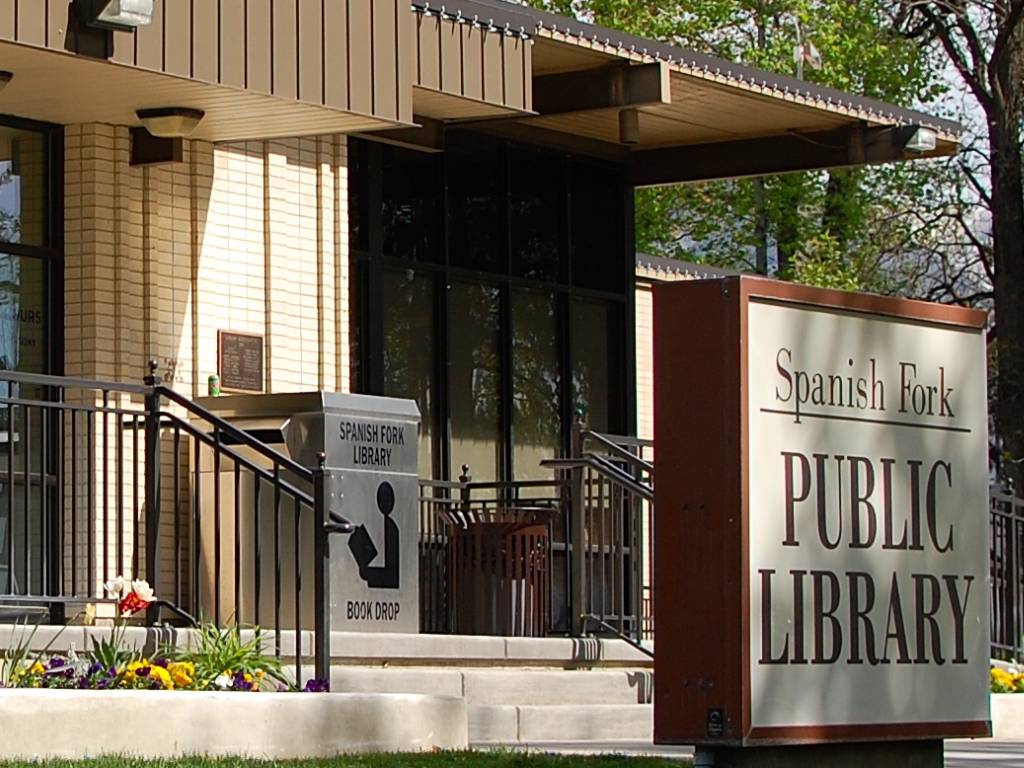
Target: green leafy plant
(224, 660)
(113, 651)
(20, 660)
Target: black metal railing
(100, 479)
(1006, 548)
(475, 538)
(610, 483)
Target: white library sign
(868, 533)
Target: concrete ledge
(506, 724)
(1008, 715)
(493, 724)
(366, 648)
(43, 725)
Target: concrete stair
(528, 705)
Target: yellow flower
(182, 673)
(37, 669)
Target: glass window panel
(536, 381)
(476, 200)
(411, 207)
(598, 223)
(358, 195)
(475, 379)
(591, 342)
(23, 187)
(538, 214)
(23, 347)
(408, 351)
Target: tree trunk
(1008, 252)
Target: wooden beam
(607, 88)
(854, 145)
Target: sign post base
(877, 754)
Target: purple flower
(316, 685)
(142, 672)
(94, 669)
(55, 663)
(160, 663)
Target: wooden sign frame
(702, 589)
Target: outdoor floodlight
(123, 15)
(170, 122)
(920, 139)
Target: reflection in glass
(537, 204)
(411, 209)
(476, 203)
(23, 192)
(536, 380)
(408, 311)
(22, 348)
(591, 345)
(598, 215)
(475, 379)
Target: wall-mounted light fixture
(5, 78)
(629, 126)
(123, 15)
(921, 139)
(170, 122)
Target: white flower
(223, 681)
(116, 587)
(145, 592)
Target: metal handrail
(605, 468)
(243, 437)
(613, 445)
(62, 382)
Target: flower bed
(219, 660)
(192, 692)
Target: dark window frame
(369, 263)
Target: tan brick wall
(248, 237)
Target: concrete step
(535, 687)
(509, 724)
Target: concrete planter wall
(44, 724)
(1008, 715)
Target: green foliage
(220, 652)
(113, 652)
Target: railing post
(321, 592)
(464, 492)
(577, 529)
(152, 459)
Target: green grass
(434, 760)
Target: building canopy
(266, 68)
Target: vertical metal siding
(311, 51)
(7, 19)
(56, 23)
(359, 55)
(257, 43)
(149, 41)
(31, 22)
(178, 37)
(472, 62)
(206, 52)
(232, 43)
(428, 65)
(284, 47)
(385, 58)
(336, 48)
